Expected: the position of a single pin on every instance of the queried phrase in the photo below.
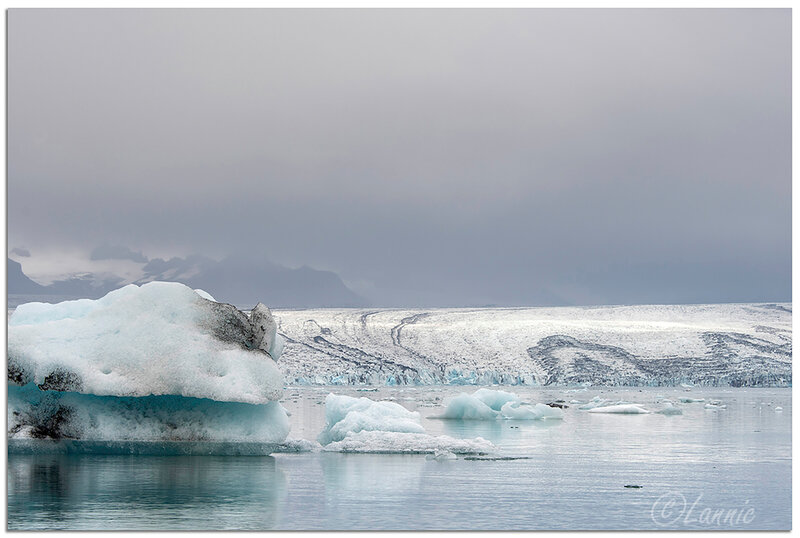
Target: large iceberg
(154, 363)
(367, 426)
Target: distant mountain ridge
(243, 281)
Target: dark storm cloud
(430, 156)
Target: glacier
(643, 345)
(144, 366)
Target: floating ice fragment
(486, 404)
(345, 415)
(466, 407)
(381, 442)
(522, 411)
(624, 409)
(441, 455)
(669, 409)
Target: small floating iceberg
(483, 404)
(597, 401)
(486, 404)
(376, 442)
(669, 409)
(621, 409)
(366, 426)
(346, 415)
(522, 411)
(144, 366)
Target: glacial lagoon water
(721, 468)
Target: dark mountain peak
(250, 278)
(19, 283)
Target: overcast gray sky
(430, 157)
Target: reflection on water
(365, 476)
(573, 477)
(143, 492)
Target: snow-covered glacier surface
(724, 344)
(153, 368)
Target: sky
(428, 157)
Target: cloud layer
(430, 157)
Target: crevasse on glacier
(158, 363)
(725, 344)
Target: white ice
(487, 404)
(623, 409)
(364, 425)
(140, 341)
(639, 344)
(346, 415)
(669, 409)
(205, 295)
(380, 442)
(522, 411)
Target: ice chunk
(669, 409)
(442, 455)
(495, 399)
(692, 400)
(143, 370)
(158, 339)
(381, 442)
(483, 404)
(297, 445)
(205, 295)
(597, 401)
(468, 407)
(486, 404)
(523, 411)
(346, 415)
(364, 425)
(624, 409)
(38, 414)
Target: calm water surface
(735, 462)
